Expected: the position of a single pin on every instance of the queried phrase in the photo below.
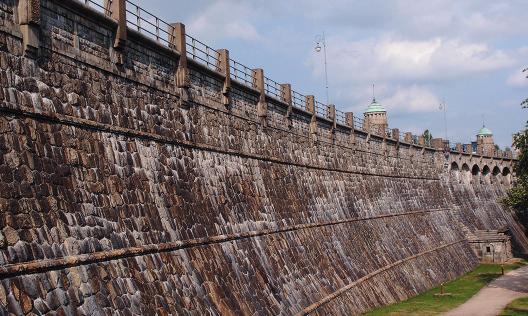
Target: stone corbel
(287, 98)
(223, 67)
(262, 105)
(29, 19)
(116, 9)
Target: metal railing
(298, 100)
(321, 110)
(201, 52)
(148, 24)
(340, 117)
(99, 5)
(157, 29)
(358, 122)
(273, 88)
(241, 73)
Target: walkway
(492, 299)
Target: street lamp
(320, 39)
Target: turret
(485, 144)
(375, 119)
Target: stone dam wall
(123, 193)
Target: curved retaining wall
(115, 198)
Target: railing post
(287, 98)
(117, 11)
(408, 138)
(29, 19)
(178, 41)
(395, 134)
(331, 115)
(223, 66)
(349, 121)
(262, 106)
(310, 107)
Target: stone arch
(496, 171)
(486, 174)
(506, 175)
(475, 170)
(454, 171)
(466, 174)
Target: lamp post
(443, 107)
(320, 39)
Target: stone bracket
(117, 11)
(349, 121)
(29, 19)
(177, 41)
(287, 98)
(310, 107)
(223, 67)
(262, 105)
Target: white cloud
(388, 58)
(224, 19)
(412, 99)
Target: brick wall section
(113, 197)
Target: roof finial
(373, 94)
(483, 125)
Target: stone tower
(375, 119)
(485, 144)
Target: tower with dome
(375, 118)
(485, 143)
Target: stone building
(485, 144)
(375, 119)
(491, 246)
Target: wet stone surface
(196, 210)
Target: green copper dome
(484, 131)
(375, 107)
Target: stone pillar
(421, 140)
(395, 134)
(178, 41)
(262, 105)
(29, 19)
(458, 147)
(117, 11)
(437, 143)
(408, 138)
(223, 67)
(286, 93)
(349, 121)
(310, 107)
(331, 115)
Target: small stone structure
(491, 246)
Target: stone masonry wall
(113, 198)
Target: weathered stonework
(114, 197)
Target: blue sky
(418, 53)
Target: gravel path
(492, 299)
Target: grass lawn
(519, 307)
(461, 289)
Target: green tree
(517, 197)
(427, 136)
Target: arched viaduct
(468, 168)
